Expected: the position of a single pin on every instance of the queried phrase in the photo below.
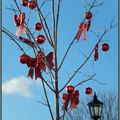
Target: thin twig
(85, 80)
(88, 4)
(45, 92)
(42, 103)
(11, 37)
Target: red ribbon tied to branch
(72, 98)
(96, 52)
(19, 22)
(82, 29)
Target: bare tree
(110, 107)
(46, 67)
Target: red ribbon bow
(72, 98)
(39, 64)
(19, 22)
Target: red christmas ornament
(32, 4)
(24, 3)
(88, 15)
(24, 58)
(88, 90)
(40, 39)
(105, 47)
(70, 89)
(38, 26)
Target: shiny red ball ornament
(38, 26)
(88, 15)
(88, 90)
(40, 39)
(25, 3)
(105, 47)
(24, 58)
(70, 89)
(32, 4)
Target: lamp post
(95, 108)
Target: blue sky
(20, 93)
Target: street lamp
(95, 108)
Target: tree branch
(45, 92)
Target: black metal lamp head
(95, 108)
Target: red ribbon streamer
(72, 98)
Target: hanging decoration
(26, 41)
(96, 53)
(88, 91)
(105, 47)
(25, 3)
(40, 39)
(72, 97)
(19, 22)
(38, 26)
(37, 64)
(84, 27)
(32, 4)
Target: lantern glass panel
(91, 110)
(100, 109)
(96, 110)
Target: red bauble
(88, 90)
(88, 15)
(24, 58)
(32, 4)
(70, 89)
(38, 26)
(40, 39)
(24, 3)
(105, 47)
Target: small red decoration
(88, 15)
(88, 91)
(40, 39)
(25, 3)
(19, 22)
(16, 20)
(49, 59)
(26, 41)
(105, 47)
(32, 4)
(72, 97)
(38, 26)
(70, 89)
(88, 24)
(96, 52)
(38, 64)
(81, 31)
(24, 58)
